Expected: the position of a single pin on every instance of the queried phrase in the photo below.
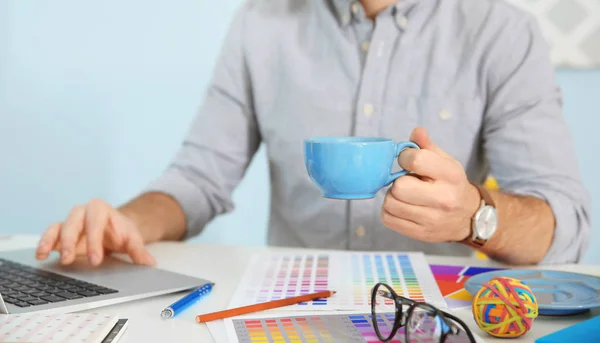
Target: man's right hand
(95, 229)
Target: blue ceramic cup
(352, 167)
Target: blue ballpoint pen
(186, 301)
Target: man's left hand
(435, 202)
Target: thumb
(420, 136)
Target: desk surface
(225, 265)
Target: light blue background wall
(96, 96)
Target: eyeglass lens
(425, 325)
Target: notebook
(585, 332)
(61, 328)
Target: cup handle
(399, 148)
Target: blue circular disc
(557, 293)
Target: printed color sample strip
(275, 276)
(355, 328)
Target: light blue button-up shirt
(475, 74)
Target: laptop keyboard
(25, 286)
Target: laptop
(28, 285)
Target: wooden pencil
(262, 306)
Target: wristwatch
(484, 222)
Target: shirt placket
(363, 213)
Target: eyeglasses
(390, 312)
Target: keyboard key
(37, 302)
(27, 298)
(83, 284)
(87, 293)
(53, 298)
(43, 287)
(40, 294)
(54, 290)
(10, 300)
(69, 295)
(105, 290)
(30, 291)
(22, 304)
(67, 287)
(20, 288)
(15, 294)
(26, 282)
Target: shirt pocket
(453, 122)
(298, 113)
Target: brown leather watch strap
(489, 201)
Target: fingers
(48, 241)
(410, 228)
(421, 215)
(96, 222)
(95, 230)
(425, 163)
(403, 226)
(133, 241)
(69, 235)
(420, 136)
(412, 190)
(136, 249)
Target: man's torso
(321, 68)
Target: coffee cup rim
(347, 139)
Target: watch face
(486, 222)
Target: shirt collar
(345, 10)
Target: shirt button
(355, 7)
(402, 21)
(365, 46)
(346, 19)
(368, 110)
(445, 114)
(360, 231)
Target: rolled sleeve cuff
(569, 241)
(192, 199)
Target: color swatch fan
(352, 275)
(451, 281)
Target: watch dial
(487, 222)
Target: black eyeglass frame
(401, 320)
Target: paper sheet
(319, 327)
(272, 276)
(451, 281)
(218, 331)
(56, 328)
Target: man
(469, 81)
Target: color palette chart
(352, 275)
(451, 281)
(353, 328)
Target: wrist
(472, 203)
(136, 221)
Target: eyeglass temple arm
(465, 327)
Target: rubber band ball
(505, 307)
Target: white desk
(224, 265)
